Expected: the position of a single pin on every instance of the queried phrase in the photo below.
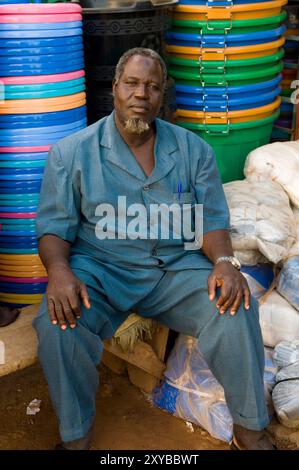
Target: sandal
(252, 440)
(8, 315)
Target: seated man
(104, 262)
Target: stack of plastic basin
(13, 2)
(284, 127)
(42, 101)
(226, 59)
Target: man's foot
(83, 443)
(245, 439)
(8, 315)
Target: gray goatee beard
(136, 126)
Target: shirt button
(146, 187)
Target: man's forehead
(140, 66)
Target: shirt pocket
(184, 198)
(186, 202)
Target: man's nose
(141, 90)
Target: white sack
(276, 162)
(262, 221)
(250, 257)
(279, 321)
(294, 251)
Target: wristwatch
(229, 259)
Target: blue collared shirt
(95, 166)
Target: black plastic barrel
(110, 28)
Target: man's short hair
(144, 52)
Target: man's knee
(244, 323)
(45, 330)
(249, 317)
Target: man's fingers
(237, 302)
(60, 315)
(230, 300)
(51, 311)
(84, 295)
(74, 300)
(225, 295)
(68, 313)
(212, 287)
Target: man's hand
(64, 295)
(233, 288)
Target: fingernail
(210, 297)
(54, 322)
(247, 307)
(73, 325)
(222, 311)
(63, 327)
(232, 313)
(78, 317)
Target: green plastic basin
(232, 27)
(232, 143)
(220, 73)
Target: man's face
(138, 94)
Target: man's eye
(132, 83)
(154, 87)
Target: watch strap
(229, 259)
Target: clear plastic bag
(286, 353)
(288, 281)
(191, 392)
(285, 395)
(259, 278)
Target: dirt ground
(125, 418)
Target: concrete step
(18, 342)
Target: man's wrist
(58, 266)
(229, 259)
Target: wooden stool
(144, 364)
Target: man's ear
(114, 83)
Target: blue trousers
(231, 345)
